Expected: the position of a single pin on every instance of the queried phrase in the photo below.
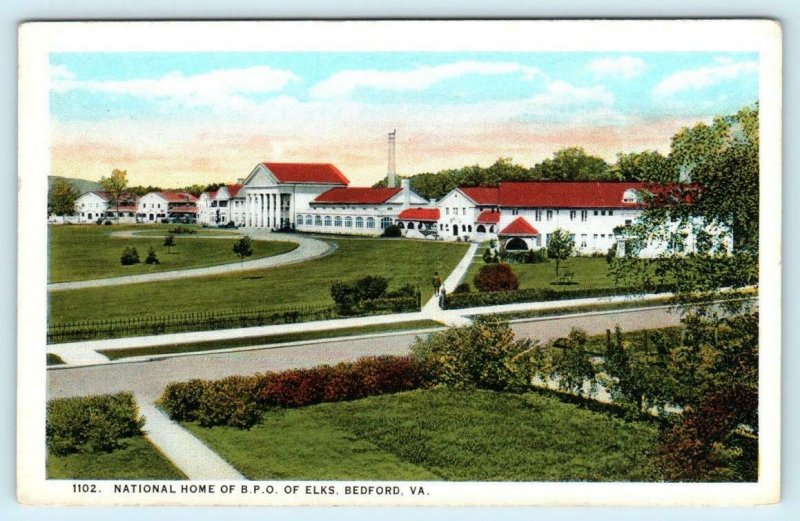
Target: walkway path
(188, 453)
(431, 308)
(307, 249)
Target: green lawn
(115, 354)
(84, 252)
(590, 272)
(441, 434)
(138, 459)
(403, 262)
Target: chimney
(433, 202)
(406, 184)
(390, 173)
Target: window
(627, 222)
(584, 215)
(348, 222)
(359, 222)
(411, 226)
(386, 222)
(549, 215)
(602, 212)
(611, 212)
(370, 222)
(572, 237)
(515, 211)
(572, 214)
(548, 238)
(595, 212)
(308, 220)
(317, 220)
(337, 221)
(327, 220)
(463, 211)
(400, 225)
(629, 196)
(447, 211)
(300, 219)
(538, 215)
(481, 229)
(583, 240)
(595, 236)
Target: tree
(129, 256)
(169, 242)
(243, 248)
(152, 258)
(115, 186)
(649, 165)
(571, 164)
(560, 246)
(62, 197)
(572, 367)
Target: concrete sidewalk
(307, 249)
(188, 453)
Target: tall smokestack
(391, 175)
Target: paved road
(307, 249)
(148, 379)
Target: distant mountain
(82, 185)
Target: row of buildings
(316, 197)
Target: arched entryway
(516, 244)
(481, 229)
(455, 229)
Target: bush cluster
(369, 294)
(182, 230)
(392, 232)
(483, 355)
(129, 256)
(468, 300)
(524, 257)
(496, 277)
(152, 258)
(239, 401)
(92, 423)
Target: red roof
(123, 209)
(234, 189)
(519, 226)
(560, 194)
(319, 173)
(178, 197)
(357, 195)
(419, 214)
(489, 217)
(183, 209)
(481, 195)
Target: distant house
(91, 206)
(155, 206)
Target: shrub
(181, 400)
(349, 294)
(496, 277)
(92, 423)
(485, 355)
(490, 257)
(107, 222)
(129, 256)
(392, 231)
(182, 230)
(152, 258)
(407, 290)
(462, 288)
(611, 254)
(232, 401)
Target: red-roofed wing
(178, 197)
(316, 173)
(519, 227)
(489, 217)
(559, 194)
(419, 214)
(357, 195)
(234, 189)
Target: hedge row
(239, 401)
(91, 423)
(467, 300)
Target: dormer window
(630, 196)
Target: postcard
(399, 263)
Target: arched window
(386, 222)
(300, 219)
(491, 229)
(480, 229)
(400, 225)
(327, 220)
(308, 220)
(337, 221)
(348, 222)
(469, 228)
(359, 222)
(410, 226)
(318, 220)
(516, 244)
(370, 222)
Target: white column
(261, 210)
(291, 210)
(268, 210)
(276, 209)
(247, 207)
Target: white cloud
(625, 67)
(702, 77)
(343, 83)
(222, 88)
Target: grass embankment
(138, 459)
(84, 252)
(440, 434)
(590, 272)
(402, 262)
(116, 354)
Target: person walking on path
(437, 286)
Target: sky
(174, 119)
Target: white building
(227, 204)
(91, 206)
(155, 206)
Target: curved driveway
(307, 249)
